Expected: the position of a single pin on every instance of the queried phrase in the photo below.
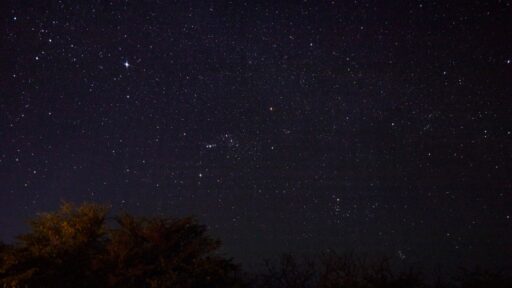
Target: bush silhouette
(332, 270)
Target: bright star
(126, 64)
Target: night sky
(374, 126)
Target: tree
(480, 278)
(58, 250)
(331, 270)
(165, 253)
(73, 247)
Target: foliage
(331, 270)
(73, 247)
(479, 278)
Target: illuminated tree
(73, 247)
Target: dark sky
(377, 126)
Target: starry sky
(285, 126)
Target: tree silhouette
(164, 253)
(331, 270)
(58, 250)
(73, 247)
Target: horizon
(354, 126)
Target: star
(317, 119)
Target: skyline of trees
(78, 246)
